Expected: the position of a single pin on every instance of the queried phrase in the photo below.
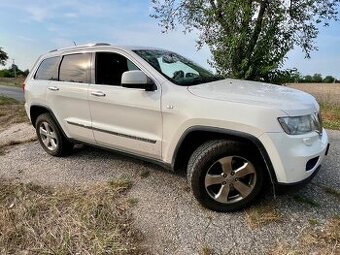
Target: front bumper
(297, 158)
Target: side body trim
(114, 133)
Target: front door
(126, 119)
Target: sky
(29, 29)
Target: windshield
(176, 68)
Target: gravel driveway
(166, 212)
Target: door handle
(54, 88)
(98, 94)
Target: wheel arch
(195, 136)
(36, 110)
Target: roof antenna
(74, 43)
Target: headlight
(298, 125)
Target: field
(328, 96)
(16, 82)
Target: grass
(314, 240)
(330, 116)
(40, 220)
(328, 96)
(132, 201)
(331, 191)
(262, 214)
(144, 174)
(7, 101)
(16, 82)
(305, 200)
(313, 222)
(11, 111)
(206, 250)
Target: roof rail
(102, 44)
(83, 46)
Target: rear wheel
(51, 137)
(225, 175)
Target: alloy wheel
(48, 136)
(230, 179)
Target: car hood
(291, 101)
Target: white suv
(229, 135)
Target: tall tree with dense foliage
(249, 39)
(3, 57)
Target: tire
(225, 175)
(50, 136)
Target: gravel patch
(167, 213)
(17, 133)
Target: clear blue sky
(31, 28)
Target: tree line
(12, 71)
(294, 76)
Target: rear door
(67, 97)
(124, 118)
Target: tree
(284, 76)
(3, 57)
(308, 79)
(248, 39)
(317, 78)
(329, 79)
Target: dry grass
(11, 111)
(41, 220)
(330, 116)
(328, 95)
(16, 82)
(324, 92)
(206, 250)
(262, 214)
(314, 240)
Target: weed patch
(262, 214)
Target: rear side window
(110, 67)
(75, 68)
(48, 69)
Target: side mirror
(138, 80)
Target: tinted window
(110, 67)
(48, 69)
(75, 68)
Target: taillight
(23, 87)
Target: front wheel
(225, 175)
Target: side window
(48, 69)
(110, 67)
(75, 68)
